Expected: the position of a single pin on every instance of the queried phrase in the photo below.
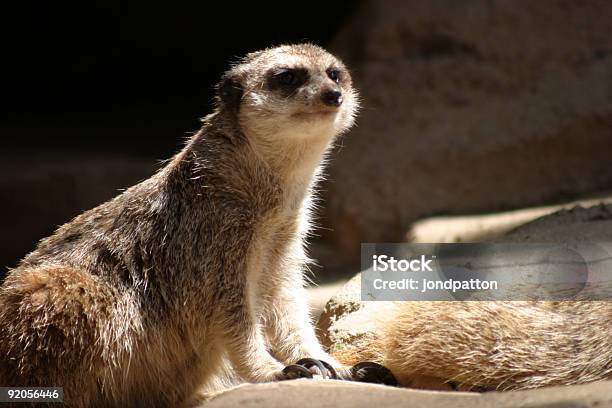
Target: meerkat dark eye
(334, 75)
(288, 79)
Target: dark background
(143, 71)
(84, 83)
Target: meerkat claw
(294, 371)
(371, 372)
(325, 369)
(331, 370)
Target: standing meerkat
(135, 302)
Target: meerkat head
(289, 93)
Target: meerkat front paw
(365, 371)
(371, 372)
(309, 368)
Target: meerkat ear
(230, 92)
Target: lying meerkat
(135, 302)
(486, 345)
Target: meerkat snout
(332, 98)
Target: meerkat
(484, 345)
(135, 302)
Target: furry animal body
(481, 346)
(139, 301)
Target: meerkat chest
(275, 251)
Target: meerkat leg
(293, 338)
(246, 346)
(289, 328)
(248, 353)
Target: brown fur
(491, 345)
(138, 301)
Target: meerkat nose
(332, 98)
